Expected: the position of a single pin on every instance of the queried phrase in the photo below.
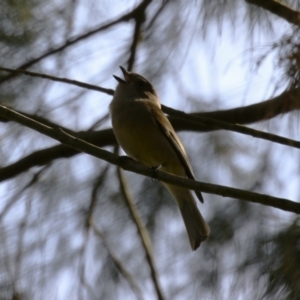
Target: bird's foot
(154, 170)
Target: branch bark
(133, 166)
(279, 9)
(134, 14)
(143, 233)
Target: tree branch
(143, 233)
(279, 9)
(213, 124)
(133, 166)
(42, 157)
(118, 263)
(264, 110)
(60, 79)
(139, 20)
(98, 184)
(72, 41)
(212, 120)
(179, 120)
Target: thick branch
(285, 102)
(106, 137)
(279, 9)
(264, 110)
(133, 166)
(214, 124)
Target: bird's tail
(195, 224)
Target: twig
(59, 79)
(135, 12)
(42, 157)
(199, 119)
(143, 233)
(279, 9)
(118, 263)
(216, 124)
(139, 20)
(133, 166)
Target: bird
(147, 136)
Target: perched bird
(146, 135)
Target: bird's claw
(154, 171)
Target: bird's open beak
(126, 76)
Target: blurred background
(66, 231)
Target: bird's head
(134, 86)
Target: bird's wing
(169, 132)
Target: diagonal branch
(133, 166)
(59, 79)
(279, 9)
(214, 124)
(142, 231)
(139, 20)
(43, 157)
(264, 110)
(118, 263)
(98, 184)
(131, 15)
(180, 121)
(213, 120)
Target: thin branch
(279, 9)
(60, 79)
(142, 231)
(42, 157)
(216, 125)
(98, 184)
(118, 263)
(133, 14)
(35, 178)
(264, 110)
(213, 120)
(139, 21)
(159, 11)
(134, 44)
(133, 166)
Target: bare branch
(98, 184)
(214, 124)
(139, 20)
(279, 9)
(142, 231)
(42, 157)
(265, 110)
(59, 79)
(205, 121)
(133, 166)
(133, 14)
(118, 263)
(192, 122)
